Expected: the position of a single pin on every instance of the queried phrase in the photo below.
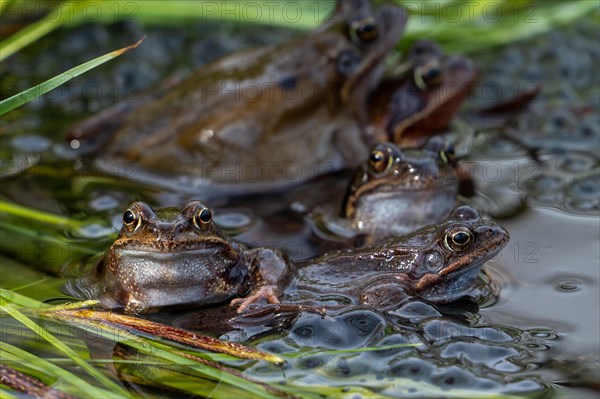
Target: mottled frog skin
(437, 263)
(398, 191)
(178, 257)
(268, 116)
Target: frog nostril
(347, 62)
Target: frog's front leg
(270, 272)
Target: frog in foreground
(180, 258)
(438, 263)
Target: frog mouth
(169, 254)
(407, 184)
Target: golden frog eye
(458, 239)
(429, 75)
(379, 160)
(365, 29)
(132, 219)
(202, 218)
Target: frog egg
(559, 122)
(412, 368)
(545, 187)
(583, 193)
(588, 129)
(235, 221)
(575, 162)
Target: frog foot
(134, 306)
(268, 292)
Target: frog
(420, 96)
(410, 187)
(438, 263)
(394, 191)
(172, 258)
(239, 120)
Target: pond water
(539, 337)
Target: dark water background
(540, 337)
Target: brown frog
(175, 257)
(421, 99)
(266, 116)
(437, 263)
(396, 191)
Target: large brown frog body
(266, 116)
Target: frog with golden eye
(437, 263)
(400, 190)
(394, 191)
(178, 257)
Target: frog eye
(458, 239)
(132, 219)
(378, 161)
(365, 29)
(202, 218)
(429, 75)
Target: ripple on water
(567, 284)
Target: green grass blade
(55, 18)
(18, 355)
(475, 26)
(58, 344)
(291, 14)
(32, 93)
(21, 300)
(40, 216)
(173, 355)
